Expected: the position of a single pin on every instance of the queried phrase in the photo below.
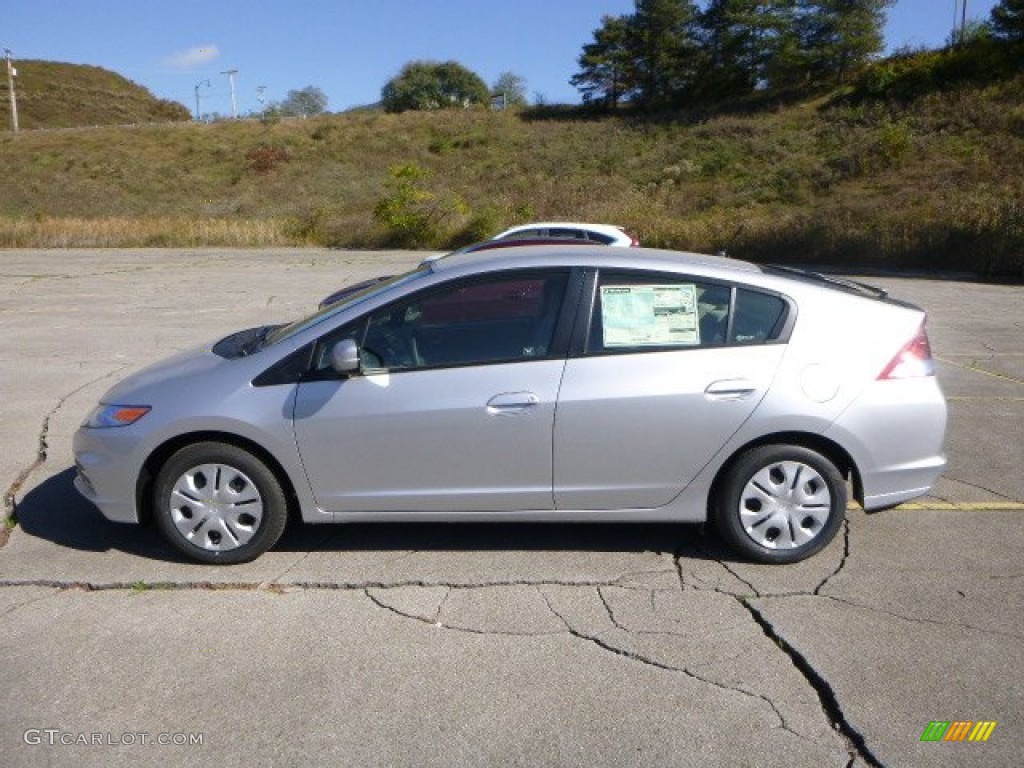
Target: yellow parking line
(957, 506)
(971, 399)
(978, 369)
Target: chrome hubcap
(216, 507)
(785, 505)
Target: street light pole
(201, 82)
(234, 105)
(261, 97)
(11, 73)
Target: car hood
(179, 374)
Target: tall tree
(1008, 19)
(606, 65)
(433, 85)
(304, 102)
(742, 40)
(665, 43)
(838, 36)
(512, 87)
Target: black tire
(780, 503)
(233, 516)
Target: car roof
(568, 225)
(488, 245)
(591, 255)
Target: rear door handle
(730, 389)
(512, 402)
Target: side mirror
(345, 357)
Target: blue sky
(348, 48)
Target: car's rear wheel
(219, 504)
(780, 503)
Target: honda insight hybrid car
(535, 384)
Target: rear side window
(565, 233)
(636, 313)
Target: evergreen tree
(606, 65)
(1008, 19)
(666, 49)
(741, 41)
(838, 36)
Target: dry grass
(934, 183)
(148, 231)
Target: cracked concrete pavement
(476, 644)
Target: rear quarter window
(757, 317)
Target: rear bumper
(895, 432)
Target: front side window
(504, 318)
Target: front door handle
(512, 402)
(730, 389)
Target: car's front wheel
(780, 503)
(218, 503)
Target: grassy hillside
(936, 182)
(56, 95)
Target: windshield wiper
(256, 342)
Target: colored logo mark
(958, 730)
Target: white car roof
(610, 229)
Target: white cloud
(193, 57)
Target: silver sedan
(536, 384)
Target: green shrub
(414, 216)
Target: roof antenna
(724, 250)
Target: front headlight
(104, 416)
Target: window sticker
(650, 315)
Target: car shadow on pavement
(54, 511)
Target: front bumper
(107, 471)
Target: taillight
(915, 359)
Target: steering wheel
(389, 349)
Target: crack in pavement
(11, 609)
(456, 627)
(842, 560)
(826, 695)
(10, 512)
(828, 701)
(979, 487)
(440, 605)
(604, 645)
(918, 620)
(340, 586)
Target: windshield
(286, 331)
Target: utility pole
(261, 97)
(11, 74)
(234, 105)
(198, 113)
(959, 20)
